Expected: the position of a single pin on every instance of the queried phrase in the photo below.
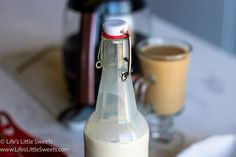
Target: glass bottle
(116, 128)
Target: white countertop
(210, 105)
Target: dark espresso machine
(82, 28)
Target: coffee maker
(82, 28)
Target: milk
(136, 148)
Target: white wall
(208, 19)
(29, 24)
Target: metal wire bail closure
(126, 74)
(99, 63)
(128, 59)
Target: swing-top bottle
(116, 128)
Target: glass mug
(161, 87)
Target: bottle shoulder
(112, 129)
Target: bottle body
(136, 148)
(114, 135)
(116, 128)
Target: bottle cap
(115, 27)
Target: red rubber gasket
(114, 37)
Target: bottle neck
(116, 97)
(113, 53)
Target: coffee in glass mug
(166, 62)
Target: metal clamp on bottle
(99, 63)
(117, 29)
(128, 59)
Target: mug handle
(140, 87)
